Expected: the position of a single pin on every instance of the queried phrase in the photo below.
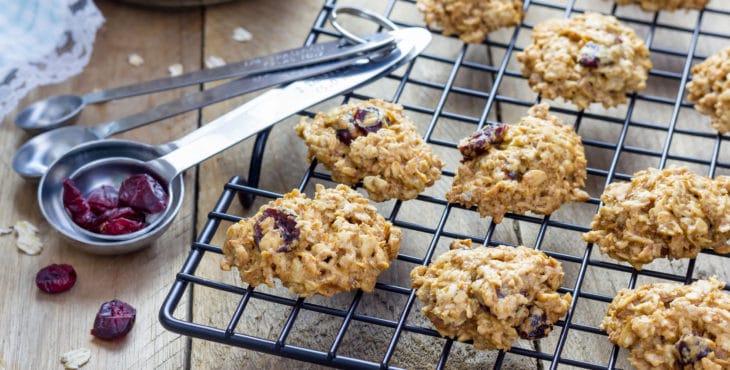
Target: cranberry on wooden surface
(56, 278)
(114, 320)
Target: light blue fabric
(43, 42)
(29, 29)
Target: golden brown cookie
(671, 213)
(534, 165)
(492, 296)
(591, 58)
(672, 326)
(375, 142)
(471, 20)
(656, 5)
(332, 243)
(709, 89)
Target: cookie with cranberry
(334, 242)
(373, 142)
(591, 58)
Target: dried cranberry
(114, 320)
(119, 226)
(482, 140)
(77, 205)
(56, 278)
(345, 136)
(535, 326)
(103, 199)
(589, 55)
(512, 175)
(369, 119)
(72, 198)
(285, 222)
(125, 212)
(143, 193)
(692, 348)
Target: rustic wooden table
(35, 328)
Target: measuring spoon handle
(213, 95)
(278, 104)
(294, 58)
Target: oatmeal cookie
(591, 58)
(709, 89)
(672, 326)
(471, 20)
(534, 165)
(332, 243)
(492, 296)
(375, 142)
(671, 213)
(656, 5)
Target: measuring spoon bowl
(51, 112)
(73, 165)
(33, 158)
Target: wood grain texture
(36, 327)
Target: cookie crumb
(175, 69)
(214, 61)
(240, 34)
(135, 59)
(76, 358)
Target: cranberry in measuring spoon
(106, 210)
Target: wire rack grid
(479, 85)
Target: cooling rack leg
(254, 171)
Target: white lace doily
(43, 42)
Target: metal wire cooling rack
(481, 84)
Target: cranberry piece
(119, 226)
(535, 326)
(512, 175)
(143, 193)
(77, 206)
(589, 55)
(56, 278)
(345, 136)
(692, 348)
(369, 119)
(125, 212)
(103, 199)
(482, 140)
(114, 320)
(72, 198)
(285, 222)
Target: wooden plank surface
(37, 328)
(165, 37)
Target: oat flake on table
(214, 61)
(175, 69)
(27, 238)
(240, 34)
(76, 358)
(135, 59)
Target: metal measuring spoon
(59, 110)
(35, 156)
(86, 164)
